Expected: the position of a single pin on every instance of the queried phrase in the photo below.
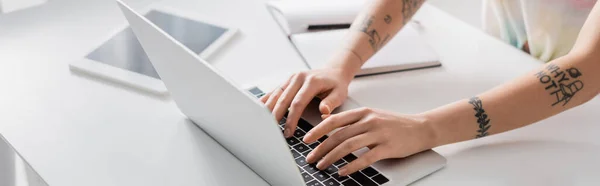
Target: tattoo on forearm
(482, 117)
(388, 19)
(374, 39)
(409, 7)
(561, 84)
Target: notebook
(406, 51)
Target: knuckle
(350, 144)
(370, 120)
(333, 118)
(370, 158)
(366, 110)
(300, 75)
(296, 104)
(335, 138)
(311, 78)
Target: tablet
(121, 58)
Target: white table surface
(76, 130)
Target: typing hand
(330, 84)
(386, 134)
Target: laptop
(243, 125)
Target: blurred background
(466, 10)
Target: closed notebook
(406, 51)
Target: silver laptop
(244, 126)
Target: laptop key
(292, 141)
(307, 177)
(299, 133)
(322, 139)
(282, 121)
(321, 176)
(304, 125)
(339, 162)
(300, 147)
(331, 169)
(331, 182)
(311, 168)
(301, 161)
(380, 179)
(339, 178)
(350, 182)
(342, 165)
(350, 157)
(314, 145)
(369, 171)
(305, 153)
(295, 153)
(362, 179)
(314, 183)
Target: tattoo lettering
(388, 19)
(482, 117)
(562, 84)
(374, 38)
(409, 7)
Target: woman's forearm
(560, 85)
(371, 30)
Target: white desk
(78, 131)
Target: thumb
(331, 101)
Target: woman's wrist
(431, 134)
(348, 62)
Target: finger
(334, 140)
(302, 99)
(334, 121)
(284, 101)
(265, 98)
(270, 103)
(363, 161)
(345, 148)
(332, 101)
(273, 98)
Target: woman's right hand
(329, 84)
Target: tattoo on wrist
(374, 39)
(409, 7)
(561, 84)
(482, 117)
(387, 19)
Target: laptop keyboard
(328, 177)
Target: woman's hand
(386, 134)
(329, 84)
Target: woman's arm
(558, 86)
(372, 29)
(562, 84)
(376, 25)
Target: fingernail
(309, 157)
(287, 132)
(342, 172)
(307, 136)
(328, 109)
(320, 165)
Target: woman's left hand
(386, 134)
